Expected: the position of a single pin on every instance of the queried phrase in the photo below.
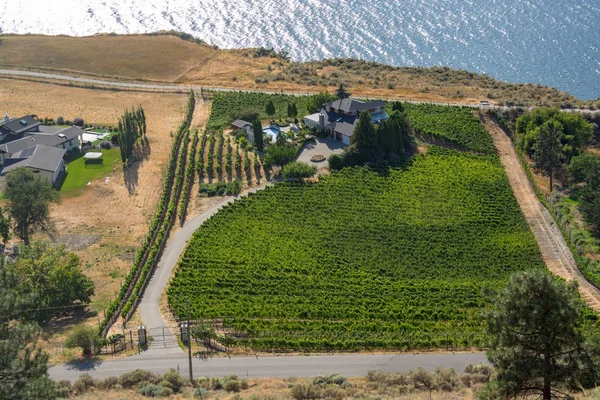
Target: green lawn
(79, 174)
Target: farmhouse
(338, 118)
(25, 142)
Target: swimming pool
(271, 131)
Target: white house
(44, 160)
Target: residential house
(338, 118)
(44, 160)
(25, 137)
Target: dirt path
(556, 253)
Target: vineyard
(394, 259)
(229, 106)
(149, 253)
(453, 124)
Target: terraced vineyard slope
(394, 259)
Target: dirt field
(552, 245)
(104, 225)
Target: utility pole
(189, 338)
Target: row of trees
(132, 126)
(584, 170)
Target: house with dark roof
(25, 142)
(338, 118)
(44, 160)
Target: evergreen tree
(547, 150)
(270, 109)
(364, 138)
(258, 135)
(397, 106)
(23, 366)
(341, 92)
(289, 110)
(4, 227)
(536, 336)
(294, 110)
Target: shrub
(298, 170)
(336, 379)
(175, 380)
(202, 382)
(153, 390)
(78, 121)
(234, 188)
(134, 378)
(421, 379)
(446, 379)
(302, 391)
(232, 385)
(60, 120)
(201, 393)
(108, 383)
(333, 392)
(280, 154)
(216, 384)
(83, 384)
(114, 139)
(85, 337)
(105, 144)
(63, 388)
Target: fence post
(131, 338)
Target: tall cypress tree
(258, 135)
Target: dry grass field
(113, 213)
(167, 58)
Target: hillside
(168, 58)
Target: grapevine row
(145, 252)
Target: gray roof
(345, 128)
(18, 125)
(37, 157)
(240, 123)
(349, 105)
(47, 139)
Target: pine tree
(341, 92)
(547, 150)
(364, 138)
(270, 109)
(23, 366)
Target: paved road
(350, 365)
(145, 86)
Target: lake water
(552, 42)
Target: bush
(302, 391)
(78, 121)
(216, 384)
(63, 388)
(446, 379)
(115, 138)
(134, 378)
(232, 385)
(298, 170)
(175, 380)
(60, 120)
(336, 379)
(108, 383)
(106, 145)
(234, 188)
(421, 379)
(201, 393)
(153, 390)
(85, 337)
(280, 155)
(83, 384)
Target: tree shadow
(64, 321)
(141, 152)
(86, 364)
